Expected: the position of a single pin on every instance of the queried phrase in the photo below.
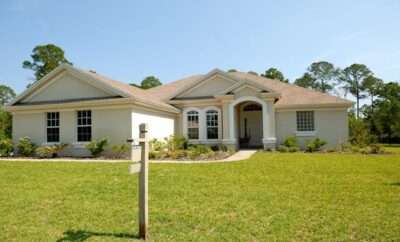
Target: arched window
(212, 124)
(193, 125)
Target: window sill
(80, 144)
(306, 133)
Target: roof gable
(66, 82)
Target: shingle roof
(291, 95)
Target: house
(237, 109)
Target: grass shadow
(82, 235)
(394, 184)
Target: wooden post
(143, 181)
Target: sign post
(143, 169)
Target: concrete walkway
(240, 155)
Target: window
(305, 120)
(212, 124)
(53, 127)
(84, 126)
(193, 125)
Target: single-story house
(238, 109)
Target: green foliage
(291, 141)
(383, 116)
(176, 142)
(352, 78)
(6, 94)
(157, 145)
(45, 58)
(5, 123)
(200, 151)
(325, 74)
(359, 132)
(119, 151)
(372, 85)
(294, 149)
(49, 151)
(274, 73)
(150, 81)
(6, 147)
(25, 147)
(97, 146)
(283, 149)
(315, 145)
(306, 81)
(232, 70)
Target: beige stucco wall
(330, 125)
(113, 124)
(67, 87)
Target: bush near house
(26, 147)
(289, 145)
(120, 151)
(315, 145)
(6, 147)
(177, 148)
(50, 151)
(96, 147)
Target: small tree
(274, 73)
(150, 81)
(45, 58)
(97, 146)
(6, 94)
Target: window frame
(87, 124)
(215, 122)
(305, 121)
(192, 113)
(54, 125)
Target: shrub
(49, 151)
(26, 147)
(96, 147)
(290, 141)
(176, 154)
(315, 145)
(155, 155)
(157, 145)
(359, 133)
(120, 151)
(294, 149)
(283, 149)
(376, 149)
(6, 147)
(197, 151)
(176, 142)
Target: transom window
(53, 127)
(84, 124)
(193, 125)
(305, 120)
(212, 124)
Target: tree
(372, 85)
(352, 78)
(306, 81)
(6, 94)
(5, 123)
(45, 58)
(135, 85)
(385, 119)
(274, 73)
(150, 81)
(325, 74)
(232, 70)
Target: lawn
(270, 197)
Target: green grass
(271, 197)
(392, 148)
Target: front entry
(250, 125)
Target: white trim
(219, 122)
(306, 133)
(265, 116)
(185, 124)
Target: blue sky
(128, 40)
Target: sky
(129, 40)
